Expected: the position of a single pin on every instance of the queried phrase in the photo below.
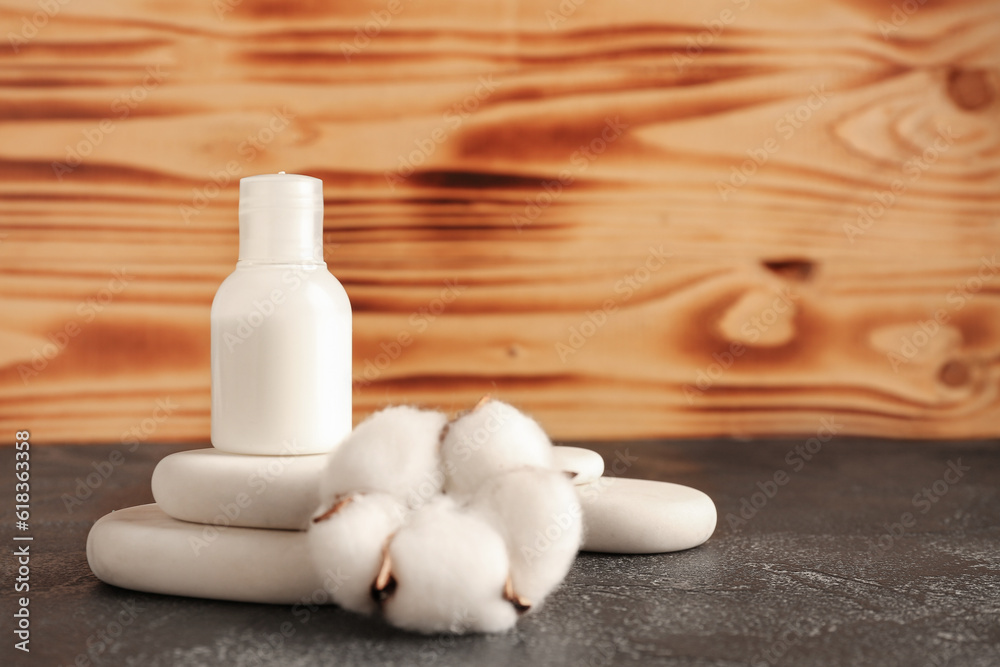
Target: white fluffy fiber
(394, 451)
(346, 547)
(460, 532)
(449, 568)
(492, 438)
(539, 515)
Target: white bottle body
(281, 360)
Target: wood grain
(634, 220)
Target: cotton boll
(538, 513)
(346, 545)
(492, 438)
(447, 573)
(395, 451)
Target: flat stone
(143, 549)
(637, 516)
(215, 487)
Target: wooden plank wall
(633, 218)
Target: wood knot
(790, 269)
(954, 373)
(971, 89)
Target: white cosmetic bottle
(281, 328)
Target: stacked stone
(234, 527)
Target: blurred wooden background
(632, 218)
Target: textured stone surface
(797, 584)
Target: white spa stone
(213, 486)
(636, 516)
(587, 464)
(143, 549)
(217, 487)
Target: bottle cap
(281, 218)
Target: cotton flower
(446, 571)
(346, 542)
(394, 451)
(538, 514)
(458, 527)
(492, 438)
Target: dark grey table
(867, 552)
